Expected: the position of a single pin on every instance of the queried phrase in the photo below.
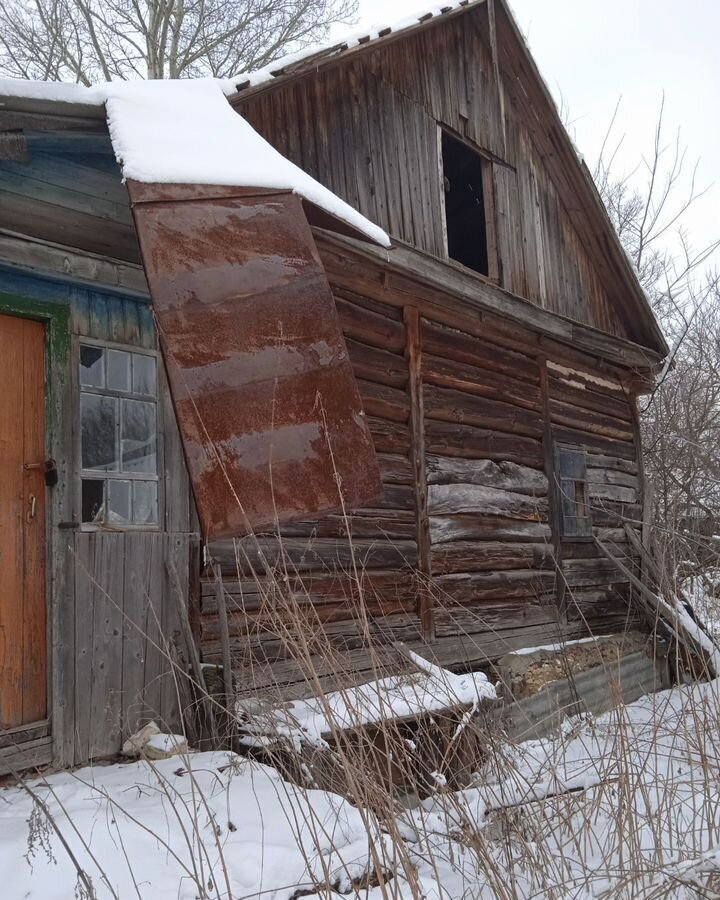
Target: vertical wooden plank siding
(413, 353)
(457, 75)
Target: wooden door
(23, 639)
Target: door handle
(49, 467)
(32, 511)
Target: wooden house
(498, 347)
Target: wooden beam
(413, 354)
(553, 491)
(42, 257)
(651, 607)
(447, 292)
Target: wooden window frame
(573, 527)
(488, 184)
(158, 477)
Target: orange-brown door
(23, 639)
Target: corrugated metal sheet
(268, 407)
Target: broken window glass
(118, 437)
(98, 417)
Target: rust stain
(268, 408)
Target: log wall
(463, 560)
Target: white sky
(593, 54)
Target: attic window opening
(465, 204)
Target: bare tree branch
(99, 40)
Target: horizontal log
(384, 401)
(389, 437)
(614, 463)
(586, 379)
(390, 524)
(590, 603)
(489, 556)
(612, 492)
(610, 514)
(455, 499)
(258, 555)
(469, 442)
(493, 616)
(590, 420)
(463, 300)
(609, 404)
(369, 590)
(594, 443)
(611, 476)
(583, 572)
(483, 382)
(366, 326)
(395, 468)
(444, 342)
(293, 680)
(265, 644)
(589, 550)
(447, 405)
(364, 300)
(373, 364)
(476, 528)
(395, 497)
(503, 475)
(466, 587)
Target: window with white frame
(118, 436)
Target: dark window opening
(465, 219)
(574, 505)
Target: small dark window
(574, 505)
(465, 208)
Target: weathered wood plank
(447, 405)
(477, 528)
(469, 442)
(484, 382)
(458, 499)
(489, 556)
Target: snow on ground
(625, 806)
(207, 825)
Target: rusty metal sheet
(269, 411)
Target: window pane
(118, 370)
(143, 375)
(92, 500)
(145, 510)
(92, 370)
(118, 502)
(97, 429)
(138, 437)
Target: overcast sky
(594, 54)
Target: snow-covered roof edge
(185, 132)
(366, 35)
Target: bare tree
(681, 419)
(88, 41)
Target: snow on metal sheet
(268, 408)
